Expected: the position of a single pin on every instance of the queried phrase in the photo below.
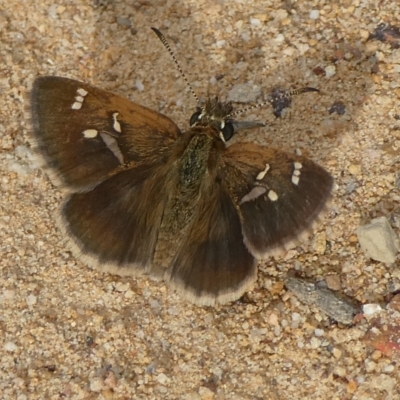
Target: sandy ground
(70, 332)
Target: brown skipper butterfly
(145, 197)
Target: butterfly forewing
(87, 134)
(279, 194)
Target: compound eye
(228, 131)
(194, 118)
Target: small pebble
(319, 332)
(315, 343)
(205, 393)
(352, 386)
(139, 85)
(96, 385)
(162, 378)
(355, 169)
(124, 21)
(333, 282)
(376, 355)
(378, 240)
(122, 286)
(31, 300)
(338, 307)
(337, 353)
(319, 242)
(330, 71)
(255, 22)
(388, 368)
(10, 346)
(370, 309)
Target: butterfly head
(215, 114)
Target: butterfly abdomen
(190, 178)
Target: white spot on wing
(76, 106)
(272, 195)
(90, 133)
(296, 173)
(261, 175)
(298, 165)
(116, 125)
(112, 144)
(79, 99)
(257, 191)
(82, 92)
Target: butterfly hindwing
(213, 264)
(114, 227)
(87, 134)
(279, 194)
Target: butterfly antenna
(168, 47)
(273, 98)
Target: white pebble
(379, 241)
(10, 346)
(303, 48)
(162, 378)
(388, 368)
(31, 300)
(173, 310)
(370, 309)
(330, 71)
(315, 343)
(122, 287)
(139, 85)
(246, 36)
(314, 14)
(129, 294)
(289, 51)
(96, 385)
(360, 379)
(319, 332)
